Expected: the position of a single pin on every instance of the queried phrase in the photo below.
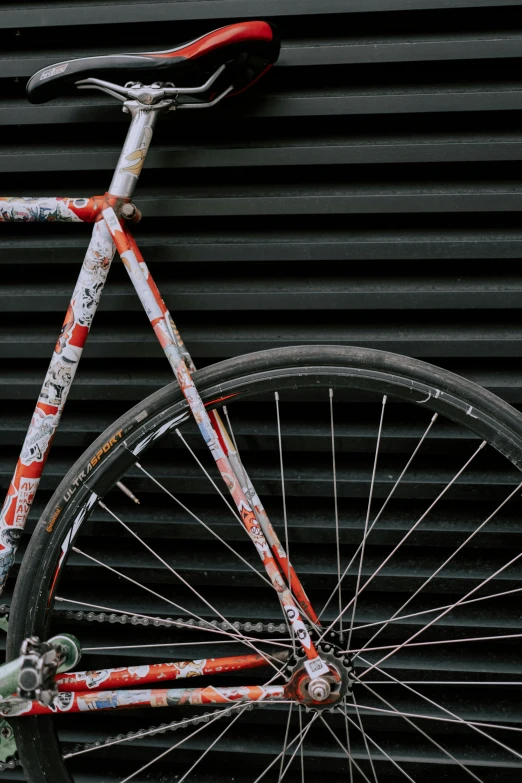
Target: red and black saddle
(247, 48)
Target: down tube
(53, 394)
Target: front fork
(210, 428)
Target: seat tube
(53, 395)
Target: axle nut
(319, 689)
(128, 211)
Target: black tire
(458, 399)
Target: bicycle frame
(110, 233)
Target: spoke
(411, 530)
(303, 733)
(285, 744)
(177, 623)
(184, 644)
(278, 674)
(207, 474)
(364, 740)
(336, 512)
(401, 475)
(350, 757)
(169, 750)
(283, 497)
(175, 573)
(348, 742)
(283, 494)
(420, 716)
(245, 478)
(239, 636)
(365, 534)
(390, 759)
(443, 614)
(225, 411)
(150, 732)
(302, 744)
(289, 745)
(473, 726)
(301, 610)
(442, 682)
(227, 728)
(425, 734)
(438, 609)
(268, 534)
(203, 524)
(439, 641)
(366, 522)
(449, 559)
(141, 586)
(163, 562)
(390, 495)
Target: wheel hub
(321, 693)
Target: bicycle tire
(420, 383)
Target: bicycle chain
(205, 717)
(133, 619)
(123, 619)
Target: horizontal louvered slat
(96, 13)
(266, 293)
(108, 382)
(425, 245)
(422, 339)
(337, 52)
(406, 101)
(306, 153)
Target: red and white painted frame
(110, 233)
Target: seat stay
(152, 304)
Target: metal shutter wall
(368, 192)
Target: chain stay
(124, 619)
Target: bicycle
(315, 652)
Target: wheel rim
(368, 757)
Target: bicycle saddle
(247, 48)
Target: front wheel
(394, 487)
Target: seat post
(136, 146)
